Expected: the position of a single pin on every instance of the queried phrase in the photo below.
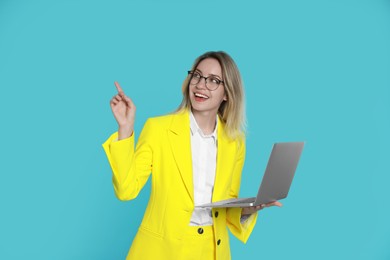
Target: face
(202, 99)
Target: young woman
(194, 156)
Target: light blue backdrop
(317, 71)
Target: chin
(202, 108)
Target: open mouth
(200, 97)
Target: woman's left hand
(251, 210)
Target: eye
(215, 80)
(196, 75)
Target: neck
(205, 120)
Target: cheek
(222, 95)
(191, 89)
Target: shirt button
(216, 214)
(200, 230)
(219, 241)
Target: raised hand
(123, 109)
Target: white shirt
(204, 161)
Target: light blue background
(317, 71)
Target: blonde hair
(231, 111)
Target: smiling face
(203, 100)
(232, 111)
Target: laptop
(277, 178)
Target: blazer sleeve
(130, 167)
(241, 230)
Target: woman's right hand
(123, 109)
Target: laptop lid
(280, 172)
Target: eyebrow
(209, 74)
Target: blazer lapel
(179, 138)
(225, 163)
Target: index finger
(118, 87)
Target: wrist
(124, 132)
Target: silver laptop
(276, 181)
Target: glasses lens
(213, 83)
(195, 78)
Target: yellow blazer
(164, 149)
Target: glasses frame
(190, 72)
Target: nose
(203, 82)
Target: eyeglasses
(212, 82)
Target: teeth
(201, 95)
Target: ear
(225, 98)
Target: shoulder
(163, 120)
(239, 141)
(168, 121)
(238, 138)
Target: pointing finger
(118, 88)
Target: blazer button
(219, 241)
(216, 214)
(200, 230)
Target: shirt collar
(195, 128)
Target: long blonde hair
(231, 111)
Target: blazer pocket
(149, 232)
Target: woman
(195, 156)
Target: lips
(200, 95)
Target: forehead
(210, 66)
